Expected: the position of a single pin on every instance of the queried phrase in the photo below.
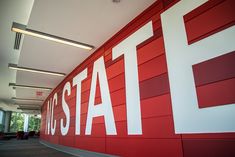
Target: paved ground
(28, 148)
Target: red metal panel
(108, 54)
(130, 147)
(83, 119)
(154, 87)
(67, 141)
(157, 23)
(154, 67)
(54, 139)
(98, 100)
(152, 127)
(209, 136)
(159, 127)
(115, 69)
(72, 122)
(201, 9)
(151, 50)
(98, 120)
(169, 3)
(117, 83)
(98, 130)
(96, 144)
(219, 93)
(84, 107)
(119, 112)
(209, 148)
(211, 21)
(97, 90)
(156, 106)
(118, 97)
(86, 84)
(71, 130)
(216, 69)
(85, 96)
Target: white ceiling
(10, 10)
(88, 21)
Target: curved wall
(159, 87)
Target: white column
(7, 121)
(26, 122)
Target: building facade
(162, 86)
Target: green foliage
(34, 123)
(17, 122)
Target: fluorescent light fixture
(16, 27)
(28, 105)
(25, 99)
(28, 87)
(15, 67)
(28, 108)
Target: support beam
(7, 120)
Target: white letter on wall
(128, 48)
(77, 80)
(64, 130)
(54, 102)
(105, 108)
(48, 116)
(188, 118)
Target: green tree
(17, 122)
(34, 123)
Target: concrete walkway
(28, 148)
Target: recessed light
(28, 87)
(15, 67)
(28, 108)
(26, 99)
(16, 27)
(28, 105)
(116, 1)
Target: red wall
(214, 79)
